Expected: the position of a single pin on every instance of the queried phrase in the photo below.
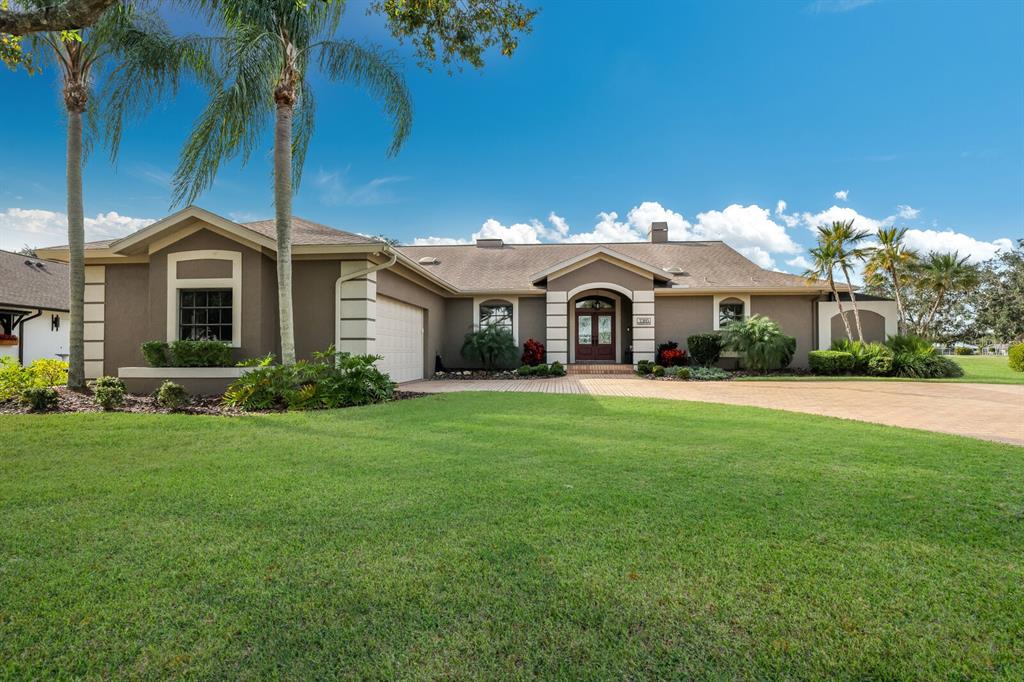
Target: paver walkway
(988, 411)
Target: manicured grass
(507, 535)
(988, 369)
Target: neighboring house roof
(513, 267)
(27, 282)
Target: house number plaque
(640, 321)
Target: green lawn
(989, 369)
(507, 535)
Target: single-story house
(33, 308)
(196, 274)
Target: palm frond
(376, 70)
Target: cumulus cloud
(907, 212)
(844, 213)
(37, 227)
(799, 263)
(439, 241)
(748, 229)
(949, 241)
(842, 194)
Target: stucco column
(93, 321)
(356, 310)
(643, 326)
(557, 341)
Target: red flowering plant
(669, 355)
(533, 352)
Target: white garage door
(400, 339)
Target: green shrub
(760, 342)
(156, 353)
(658, 371)
(525, 371)
(556, 369)
(1016, 357)
(943, 367)
(171, 396)
(908, 343)
(705, 349)
(861, 352)
(708, 374)
(39, 398)
(643, 367)
(963, 350)
(330, 380)
(683, 373)
(39, 374)
(492, 346)
(541, 370)
(881, 364)
(108, 392)
(915, 358)
(830, 362)
(200, 353)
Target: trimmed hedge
(1016, 358)
(187, 353)
(830, 362)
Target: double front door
(595, 335)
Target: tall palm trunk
(900, 312)
(842, 313)
(856, 310)
(927, 325)
(283, 215)
(75, 99)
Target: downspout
(21, 335)
(372, 269)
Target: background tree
(891, 259)
(1000, 297)
(137, 61)
(265, 59)
(34, 16)
(941, 274)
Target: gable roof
(260, 232)
(24, 284)
(705, 265)
(602, 252)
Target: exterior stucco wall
(415, 291)
(458, 315)
(601, 271)
(125, 326)
(677, 317)
(313, 292)
(795, 314)
(871, 323)
(531, 320)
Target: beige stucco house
(197, 274)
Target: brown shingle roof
(305, 232)
(705, 265)
(26, 285)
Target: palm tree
(893, 259)
(139, 61)
(824, 257)
(845, 240)
(941, 274)
(265, 59)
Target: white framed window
(730, 307)
(206, 307)
(501, 312)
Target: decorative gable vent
(428, 260)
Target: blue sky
(614, 114)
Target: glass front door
(595, 336)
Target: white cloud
(844, 213)
(37, 227)
(836, 6)
(748, 229)
(800, 263)
(335, 190)
(842, 194)
(438, 241)
(949, 241)
(907, 212)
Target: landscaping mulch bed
(75, 402)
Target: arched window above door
(595, 303)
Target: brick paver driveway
(989, 411)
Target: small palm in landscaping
(760, 342)
(491, 346)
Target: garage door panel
(400, 339)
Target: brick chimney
(659, 233)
